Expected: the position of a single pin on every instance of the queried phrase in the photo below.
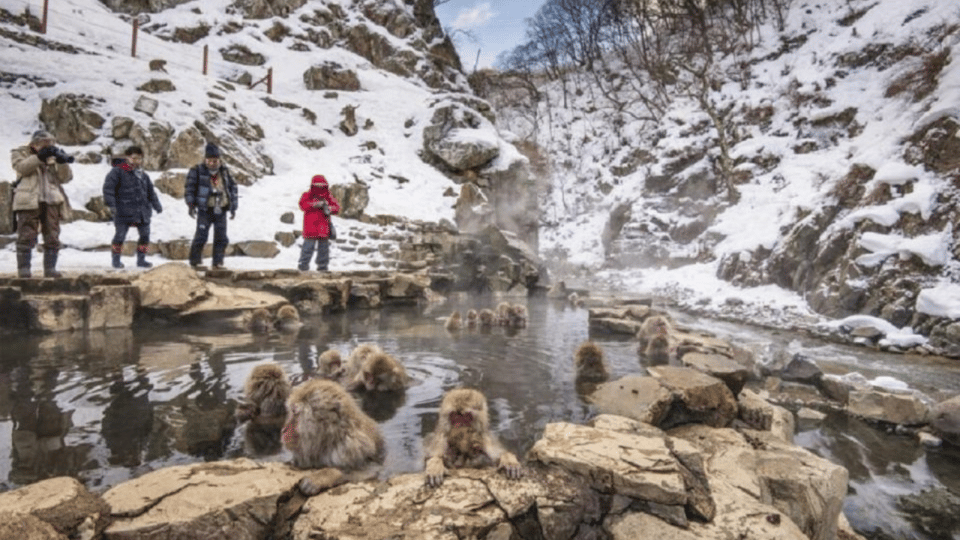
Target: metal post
(133, 46)
(206, 49)
(270, 80)
(43, 21)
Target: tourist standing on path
(210, 194)
(38, 199)
(317, 205)
(129, 193)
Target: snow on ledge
(942, 300)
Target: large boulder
(61, 504)
(945, 419)
(888, 406)
(807, 489)
(226, 500)
(331, 76)
(264, 9)
(460, 138)
(71, 118)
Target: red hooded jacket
(316, 224)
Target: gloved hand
(233, 214)
(193, 212)
(159, 210)
(46, 153)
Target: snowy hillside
(284, 138)
(846, 168)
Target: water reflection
(105, 407)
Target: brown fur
(288, 319)
(589, 360)
(651, 326)
(472, 318)
(503, 313)
(357, 358)
(487, 318)
(330, 365)
(326, 428)
(465, 408)
(380, 372)
(465, 450)
(260, 321)
(454, 322)
(267, 390)
(517, 316)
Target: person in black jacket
(210, 194)
(129, 194)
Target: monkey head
(381, 372)
(331, 364)
(465, 407)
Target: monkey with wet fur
(326, 428)
(589, 362)
(267, 390)
(379, 372)
(454, 322)
(472, 318)
(260, 321)
(356, 359)
(517, 316)
(487, 318)
(465, 408)
(330, 365)
(656, 340)
(288, 319)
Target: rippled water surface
(108, 406)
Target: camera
(217, 197)
(62, 157)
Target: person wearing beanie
(38, 199)
(317, 205)
(210, 194)
(129, 193)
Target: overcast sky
(497, 25)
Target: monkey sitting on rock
(463, 436)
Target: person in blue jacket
(129, 193)
(210, 194)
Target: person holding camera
(211, 193)
(38, 199)
(129, 193)
(317, 205)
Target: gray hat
(42, 135)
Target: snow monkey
(288, 319)
(330, 365)
(356, 359)
(465, 408)
(260, 321)
(487, 318)
(657, 342)
(326, 428)
(472, 318)
(503, 313)
(589, 362)
(517, 316)
(266, 389)
(465, 450)
(379, 372)
(454, 322)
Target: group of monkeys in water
(506, 314)
(322, 425)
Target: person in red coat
(317, 205)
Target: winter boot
(50, 264)
(116, 256)
(23, 263)
(142, 257)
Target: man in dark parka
(210, 194)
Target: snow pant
(31, 223)
(205, 218)
(322, 245)
(121, 233)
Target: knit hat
(41, 135)
(319, 180)
(211, 151)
